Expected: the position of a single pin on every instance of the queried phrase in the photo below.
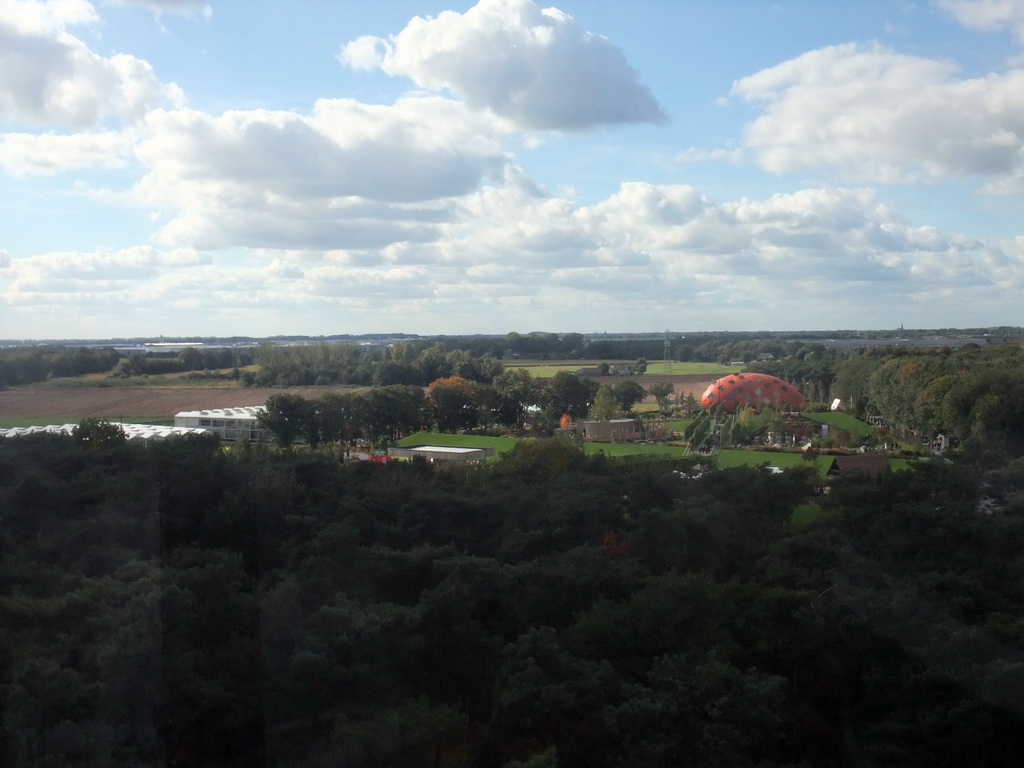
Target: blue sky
(180, 167)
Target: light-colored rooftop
(441, 449)
(131, 431)
(239, 412)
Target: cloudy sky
(184, 167)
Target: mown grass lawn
(678, 425)
(806, 513)
(733, 457)
(841, 420)
(635, 449)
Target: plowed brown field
(161, 403)
(70, 405)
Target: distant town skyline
(187, 168)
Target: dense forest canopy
(188, 603)
(185, 604)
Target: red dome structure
(736, 389)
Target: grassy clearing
(678, 425)
(728, 458)
(691, 369)
(635, 449)
(548, 371)
(805, 514)
(841, 420)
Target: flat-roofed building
(131, 431)
(227, 423)
(435, 453)
(611, 429)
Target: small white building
(433, 453)
(226, 423)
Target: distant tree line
(24, 365)
(188, 359)
(27, 365)
(449, 404)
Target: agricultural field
(547, 368)
(150, 405)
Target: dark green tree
(287, 416)
(627, 394)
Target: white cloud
(48, 76)
(988, 14)
(46, 17)
(647, 251)
(536, 67)
(184, 7)
(5, 258)
(124, 263)
(47, 154)
(349, 176)
(697, 155)
(874, 115)
(70, 271)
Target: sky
(257, 168)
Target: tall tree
(605, 406)
(569, 393)
(287, 416)
(662, 392)
(627, 394)
(454, 400)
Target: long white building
(131, 431)
(228, 423)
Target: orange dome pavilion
(753, 389)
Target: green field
(678, 425)
(545, 369)
(841, 420)
(503, 444)
(636, 449)
(739, 458)
(692, 369)
(731, 457)
(806, 513)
